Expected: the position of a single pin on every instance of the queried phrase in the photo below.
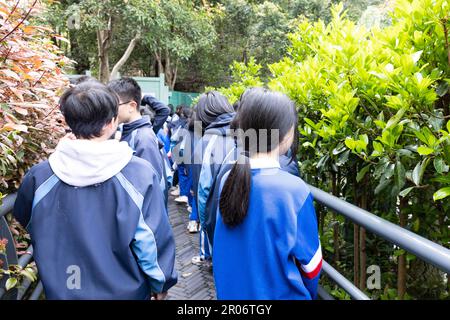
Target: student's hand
(159, 296)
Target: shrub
(31, 79)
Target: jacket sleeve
(153, 243)
(24, 201)
(147, 148)
(162, 111)
(307, 251)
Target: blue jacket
(164, 138)
(213, 154)
(162, 111)
(275, 252)
(109, 240)
(214, 195)
(288, 165)
(141, 138)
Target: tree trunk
(165, 66)
(355, 236)
(336, 225)
(401, 272)
(125, 57)
(174, 76)
(104, 38)
(355, 255)
(321, 210)
(362, 240)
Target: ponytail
(235, 195)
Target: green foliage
(30, 80)
(374, 111)
(244, 76)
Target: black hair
(85, 78)
(259, 109)
(127, 89)
(186, 112)
(88, 107)
(210, 105)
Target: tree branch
(444, 24)
(125, 56)
(20, 23)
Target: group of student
(96, 210)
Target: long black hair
(210, 105)
(259, 109)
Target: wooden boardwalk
(194, 282)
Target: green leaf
(424, 151)
(400, 175)
(29, 274)
(416, 56)
(399, 252)
(440, 166)
(362, 173)
(441, 194)
(10, 283)
(405, 192)
(343, 158)
(311, 124)
(381, 186)
(442, 89)
(350, 143)
(377, 146)
(418, 171)
(339, 149)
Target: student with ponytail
(266, 243)
(214, 114)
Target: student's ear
(111, 127)
(133, 106)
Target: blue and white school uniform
(275, 252)
(95, 208)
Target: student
(175, 118)
(179, 137)
(95, 212)
(266, 243)
(160, 110)
(137, 130)
(163, 136)
(214, 113)
(183, 152)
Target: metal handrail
(7, 204)
(6, 207)
(343, 282)
(423, 248)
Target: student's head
(83, 79)
(210, 105)
(178, 110)
(273, 118)
(90, 109)
(130, 95)
(261, 109)
(185, 112)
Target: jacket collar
(264, 163)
